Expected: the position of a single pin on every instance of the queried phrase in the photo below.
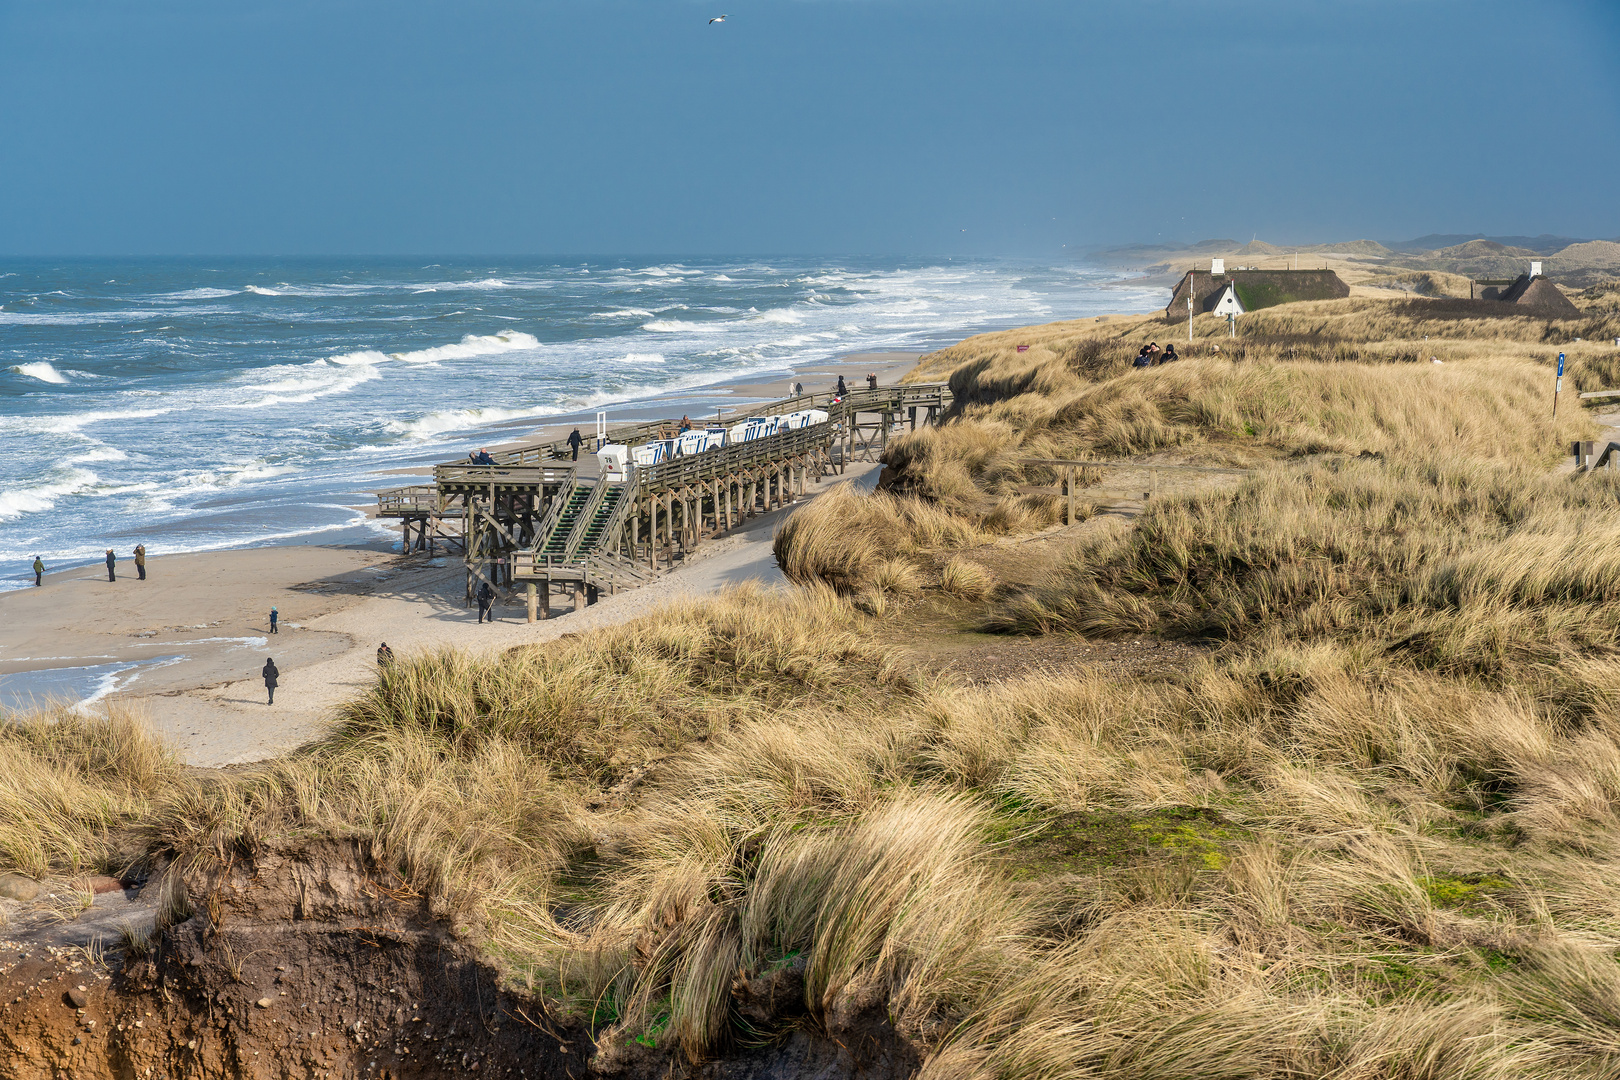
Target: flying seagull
(722, 18)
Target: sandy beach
(184, 648)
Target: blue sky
(870, 126)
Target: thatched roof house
(1527, 291)
(1254, 289)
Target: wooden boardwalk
(537, 519)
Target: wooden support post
(652, 532)
(579, 596)
(534, 602)
(1068, 483)
(545, 599)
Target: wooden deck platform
(536, 519)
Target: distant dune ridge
(1571, 263)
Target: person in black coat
(842, 389)
(486, 600)
(574, 439)
(270, 677)
(112, 565)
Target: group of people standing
(112, 566)
(1151, 355)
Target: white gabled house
(1227, 303)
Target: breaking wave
(41, 370)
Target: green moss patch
(1090, 841)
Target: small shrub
(966, 580)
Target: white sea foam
(81, 318)
(41, 370)
(198, 294)
(642, 358)
(305, 383)
(447, 420)
(676, 326)
(32, 498)
(71, 423)
(366, 356)
(623, 313)
(258, 291)
(781, 316)
(472, 345)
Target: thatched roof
(1255, 288)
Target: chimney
(1217, 267)
(1535, 269)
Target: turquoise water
(204, 403)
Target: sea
(196, 404)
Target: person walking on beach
(39, 571)
(385, 656)
(274, 615)
(486, 600)
(270, 677)
(574, 440)
(140, 560)
(798, 389)
(112, 565)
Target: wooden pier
(538, 519)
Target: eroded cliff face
(312, 962)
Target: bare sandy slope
(336, 606)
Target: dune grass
(1375, 834)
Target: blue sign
(1560, 364)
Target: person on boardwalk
(871, 380)
(112, 565)
(271, 675)
(482, 458)
(486, 600)
(140, 560)
(274, 615)
(798, 389)
(385, 656)
(841, 389)
(39, 571)
(574, 440)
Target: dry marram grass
(1375, 834)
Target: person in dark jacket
(1170, 354)
(140, 560)
(486, 600)
(274, 616)
(842, 389)
(385, 656)
(871, 380)
(39, 571)
(270, 677)
(574, 441)
(112, 565)
(1144, 358)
